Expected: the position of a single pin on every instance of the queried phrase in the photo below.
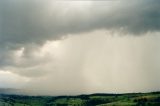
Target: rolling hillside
(132, 99)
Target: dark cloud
(37, 21)
(30, 30)
(31, 23)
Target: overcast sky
(72, 47)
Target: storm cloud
(37, 21)
(75, 47)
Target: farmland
(130, 99)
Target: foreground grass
(133, 99)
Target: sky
(69, 47)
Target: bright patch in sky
(10, 80)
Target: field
(130, 99)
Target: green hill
(130, 99)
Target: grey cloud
(36, 21)
(30, 24)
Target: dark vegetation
(130, 99)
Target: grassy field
(132, 99)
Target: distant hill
(11, 91)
